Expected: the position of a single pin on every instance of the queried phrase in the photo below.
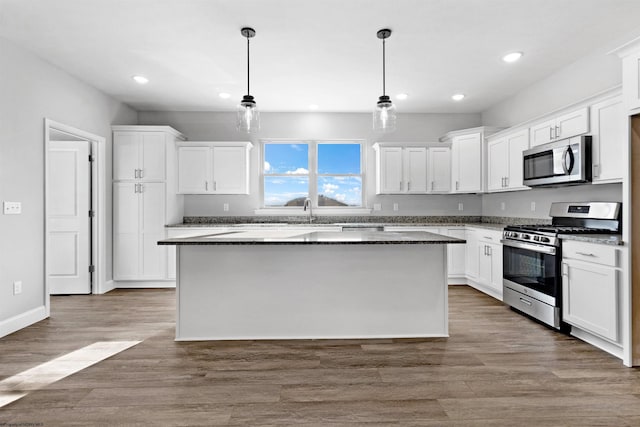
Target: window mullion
(313, 172)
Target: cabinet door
(390, 162)
(517, 142)
(609, 126)
(439, 170)
(466, 163)
(542, 132)
(416, 170)
(126, 155)
(126, 227)
(495, 253)
(152, 222)
(484, 263)
(472, 254)
(230, 170)
(590, 297)
(497, 164)
(152, 156)
(194, 170)
(572, 124)
(631, 80)
(456, 254)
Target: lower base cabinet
(484, 261)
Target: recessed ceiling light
(313, 106)
(141, 80)
(224, 95)
(402, 96)
(512, 57)
(458, 97)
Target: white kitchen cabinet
(439, 169)
(416, 169)
(389, 172)
(631, 80)
(139, 220)
(406, 169)
(562, 126)
(456, 255)
(504, 161)
(609, 135)
(213, 168)
(144, 201)
(590, 288)
(139, 155)
(484, 260)
(185, 232)
(466, 163)
(472, 254)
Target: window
(328, 172)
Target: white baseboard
(144, 284)
(602, 344)
(489, 291)
(457, 280)
(23, 320)
(107, 286)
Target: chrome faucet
(308, 204)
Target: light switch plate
(17, 287)
(460, 207)
(533, 206)
(395, 206)
(12, 208)
(377, 207)
(225, 207)
(502, 206)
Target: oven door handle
(533, 247)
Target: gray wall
(33, 90)
(207, 126)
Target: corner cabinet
(213, 167)
(144, 200)
(411, 169)
(504, 161)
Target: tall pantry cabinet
(145, 199)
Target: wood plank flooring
(496, 369)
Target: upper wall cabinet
(609, 127)
(631, 80)
(504, 161)
(466, 163)
(139, 155)
(214, 168)
(561, 127)
(410, 169)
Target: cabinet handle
(215, 186)
(137, 188)
(506, 181)
(587, 254)
(408, 185)
(457, 185)
(141, 188)
(489, 250)
(206, 186)
(488, 238)
(596, 170)
(431, 185)
(551, 133)
(135, 173)
(558, 129)
(141, 173)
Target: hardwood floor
(496, 369)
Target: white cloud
(267, 166)
(299, 171)
(329, 188)
(341, 197)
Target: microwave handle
(568, 153)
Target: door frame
(98, 202)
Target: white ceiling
(322, 52)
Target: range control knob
(536, 238)
(526, 237)
(545, 239)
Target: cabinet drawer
(488, 236)
(590, 252)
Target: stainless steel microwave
(557, 163)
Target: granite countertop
(279, 237)
(604, 239)
(486, 225)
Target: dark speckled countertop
(284, 237)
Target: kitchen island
(293, 284)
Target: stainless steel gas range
(532, 256)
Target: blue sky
(291, 160)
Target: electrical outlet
(502, 206)
(460, 207)
(225, 207)
(395, 206)
(377, 207)
(533, 206)
(12, 208)
(17, 287)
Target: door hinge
(91, 158)
(92, 214)
(92, 269)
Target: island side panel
(229, 292)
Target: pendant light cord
(384, 92)
(248, 92)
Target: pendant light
(248, 116)
(384, 115)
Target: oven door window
(532, 269)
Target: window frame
(313, 174)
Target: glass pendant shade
(248, 116)
(384, 115)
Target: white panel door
(609, 126)
(469, 163)
(517, 143)
(152, 163)
(194, 170)
(126, 155)
(497, 164)
(230, 170)
(416, 161)
(126, 230)
(390, 170)
(439, 170)
(68, 221)
(152, 210)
